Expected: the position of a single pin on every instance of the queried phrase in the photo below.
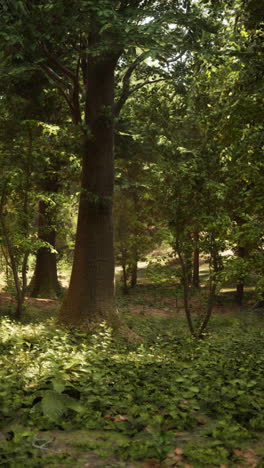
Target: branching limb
(54, 76)
(126, 82)
(141, 85)
(62, 87)
(63, 69)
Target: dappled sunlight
(158, 389)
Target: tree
(29, 102)
(78, 45)
(17, 236)
(137, 221)
(45, 281)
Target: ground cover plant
(172, 400)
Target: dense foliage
(134, 402)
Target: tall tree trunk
(90, 296)
(45, 281)
(195, 278)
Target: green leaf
(53, 405)
(58, 385)
(194, 389)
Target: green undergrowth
(131, 402)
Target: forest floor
(72, 400)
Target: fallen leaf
(183, 403)
(238, 452)
(249, 453)
(201, 421)
(121, 417)
(179, 451)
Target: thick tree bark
(45, 281)
(90, 296)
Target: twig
(42, 446)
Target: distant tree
(208, 129)
(17, 233)
(137, 221)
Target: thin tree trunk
(14, 268)
(195, 278)
(241, 252)
(124, 271)
(24, 271)
(217, 261)
(186, 293)
(215, 264)
(240, 292)
(134, 272)
(134, 266)
(134, 262)
(125, 287)
(208, 311)
(90, 296)
(188, 267)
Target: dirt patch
(166, 307)
(145, 304)
(149, 310)
(50, 305)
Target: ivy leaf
(73, 404)
(53, 405)
(58, 385)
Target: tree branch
(126, 82)
(141, 85)
(64, 70)
(61, 85)
(53, 75)
(121, 101)
(75, 95)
